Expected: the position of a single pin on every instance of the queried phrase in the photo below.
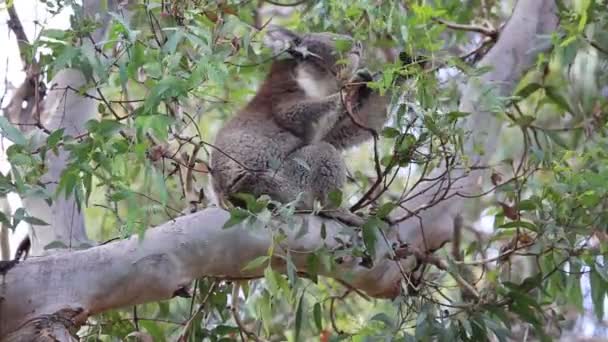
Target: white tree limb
(170, 256)
(167, 259)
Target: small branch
(186, 331)
(235, 313)
(490, 32)
(173, 255)
(297, 3)
(430, 259)
(14, 23)
(596, 46)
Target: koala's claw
(363, 75)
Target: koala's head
(321, 65)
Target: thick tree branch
(169, 258)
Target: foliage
(168, 78)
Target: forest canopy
(483, 197)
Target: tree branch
(170, 257)
(471, 28)
(14, 23)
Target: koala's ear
(280, 39)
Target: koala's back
(252, 141)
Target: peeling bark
(59, 326)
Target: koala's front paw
(362, 75)
(362, 92)
(357, 90)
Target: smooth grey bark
(170, 256)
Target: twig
(440, 264)
(293, 4)
(234, 308)
(14, 23)
(596, 46)
(492, 33)
(184, 335)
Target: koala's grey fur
(288, 139)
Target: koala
(288, 140)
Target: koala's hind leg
(312, 172)
(324, 171)
(319, 169)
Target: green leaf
(237, 215)
(524, 120)
(390, 132)
(335, 198)
(265, 307)
(527, 205)
(299, 317)
(35, 221)
(316, 312)
(65, 58)
(5, 221)
(11, 132)
(312, 266)
(528, 90)
(54, 34)
(585, 5)
(253, 205)
(256, 263)
(382, 317)
(574, 293)
(455, 115)
(171, 44)
(556, 138)
(292, 274)
(369, 231)
(598, 293)
(105, 128)
(161, 186)
(589, 198)
(553, 94)
(520, 224)
(54, 138)
(385, 210)
(55, 244)
(158, 124)
(272, 283)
